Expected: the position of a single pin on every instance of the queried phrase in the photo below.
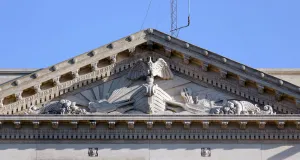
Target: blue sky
(258, 33)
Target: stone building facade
(149, 96)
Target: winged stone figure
(159, 68)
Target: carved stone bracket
(243, 125)
(280, 124)
(223, 73)
(186, 59)
(187, 124)
(278, 95)
(19, 96)
(297, 124)
(224, 124)
(262, 125)
(36, 124)
(93, 124)
(1, 102)
(111, 124)
(56, 81)
(168, 51)
(131, 51)
(37, 88)
(242, 81)
(205, 66)
(74, 124)
(149, 124)
(75, 74)
(94, 66)
(17, 124)
(260, 88)
(130, 124)
(205, 124)
(168, 124)
(113, 59)
(55, 124)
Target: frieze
(71, 134)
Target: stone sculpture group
(152, 99)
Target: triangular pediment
(210, 79)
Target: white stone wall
(67, 151)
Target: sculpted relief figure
(192, 103)
(207, 106)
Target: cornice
(143, 117)
(73, 63)
(280, 71)
(225, 63)
(17, 71)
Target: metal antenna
(174, 29)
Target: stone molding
(159, 127)
(152, 118)
(154, 134)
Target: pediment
(97, 78)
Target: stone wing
(161, 69)
(140, 69)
